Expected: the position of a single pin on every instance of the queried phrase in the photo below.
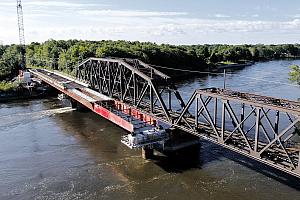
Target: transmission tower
(21, 33)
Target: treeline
(65, 55)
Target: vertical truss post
(215, 110)
(298, 166)
(223, 122)
(257, 125)
(276, 127)
(242, 115)
(110, 79)
(197, 112)
(121, 81)
(99, 78)
(151, 99)
(170, 99)
(134, 89)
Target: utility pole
(21, 34)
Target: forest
(66, 55)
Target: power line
(55, 60)
(186, 70)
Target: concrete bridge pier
(187, 154)
(147, 153)
(180, 141)
(74, 103)
(180, 145)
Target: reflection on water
(47, 152)
(11, 120)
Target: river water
(50, 152)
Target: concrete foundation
(147, 153)
(74, 103)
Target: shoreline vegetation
(8, 86)
(65, 55)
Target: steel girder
(259, 127)
(133, 82)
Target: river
(50, 152)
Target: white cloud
(82, 21)
(221, 16)
(296, 16)
(8, 4)
(128, 13)
(48, 3)
(155, 31)
(59, 4)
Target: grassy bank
(7, 86)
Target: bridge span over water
(145, 102)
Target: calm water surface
(48, 152)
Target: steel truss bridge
(263, 128)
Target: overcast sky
(160, 21)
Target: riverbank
(7, 86)
(22, 95)
(12, 91)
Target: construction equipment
(21, 34)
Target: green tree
(10, 62)
(295, 74)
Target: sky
(159, 21)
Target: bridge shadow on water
(198, 157)
(180, 161)
(264, 169)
